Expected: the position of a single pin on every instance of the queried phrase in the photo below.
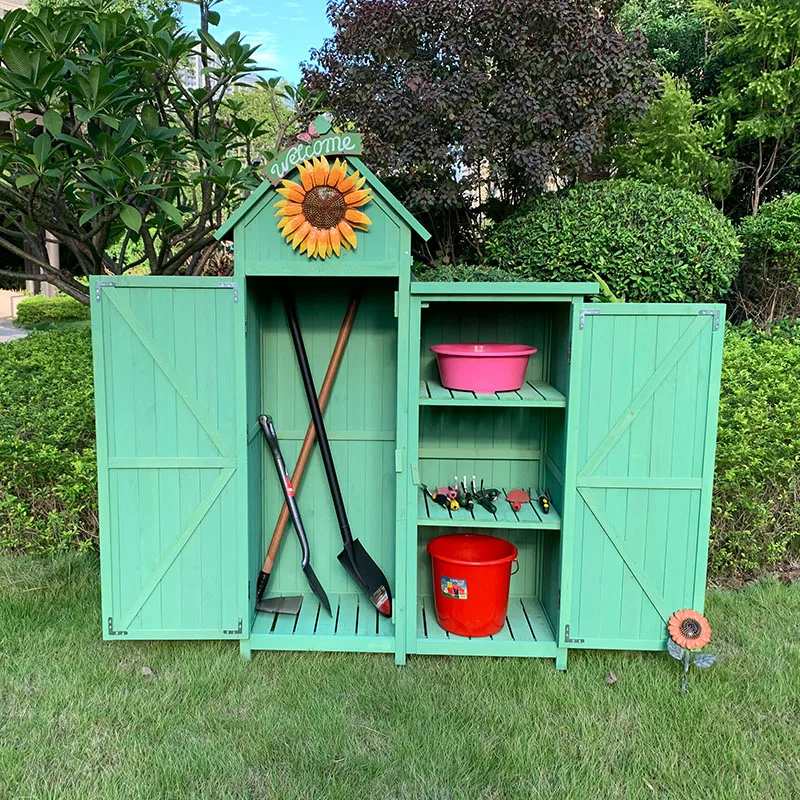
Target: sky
(286, 30)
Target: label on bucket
(454, 587)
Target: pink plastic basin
(483, 368)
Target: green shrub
(768, 287)
(61, 308)
(460, 273)
(48, 487)
(756, 513)
(649, 243)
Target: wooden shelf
(353, 626)
(527, 632)
(533, 394)
(529, 516)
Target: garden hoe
(281, 605)
(358, 564)
(288, 492)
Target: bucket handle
(513, 564)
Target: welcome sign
(332, 144)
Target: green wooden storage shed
(617, 418)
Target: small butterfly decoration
(308, 135)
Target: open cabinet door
(168, 378)
(640, 468)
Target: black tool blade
(316, 587)
(368, 576)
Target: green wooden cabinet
(617, 418)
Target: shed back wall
(360, 420)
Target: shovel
(288, 492)
(358, 564)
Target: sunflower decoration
(689, 631)
(320, 214)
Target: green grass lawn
(78, 718)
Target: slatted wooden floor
(532, 394)
(354, 625)
(529, 516)
(527, 632)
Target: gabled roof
(259, 194)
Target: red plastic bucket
(471, 576)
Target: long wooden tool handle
(311, 435)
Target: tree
(668, 145)
(267, 104)
(106, 144)
(678, 39)
(469, 107)
(758, 44)
(152, 8)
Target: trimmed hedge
(61, 308)
(768, 287)
(648, 243)
(756, 514)
(48, 485)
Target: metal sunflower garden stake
(689, 632)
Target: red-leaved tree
(471, 106)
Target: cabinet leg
(399, 659)
(244, 649)
(561, 659)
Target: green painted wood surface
(642, 468)
(527, 633)
(172, 491)
(532, 394)
(259, 248)
(532, 291)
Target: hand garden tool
(288, 492)
(461, 497)
(449, 493)
(358, 564)
(467, 501)
(440, 499)
(544, 500)
(486, 497)
(518, 498)
(308, 444)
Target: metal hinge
(231, 285)
(710, 312)
(583, 313)
(112, 632)
(238, 630)
(245, 326)
(569, 353)
(397, 304)
(415, 474)
(398, 460)
(248, 590)
(568, 640)
(98, 288)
